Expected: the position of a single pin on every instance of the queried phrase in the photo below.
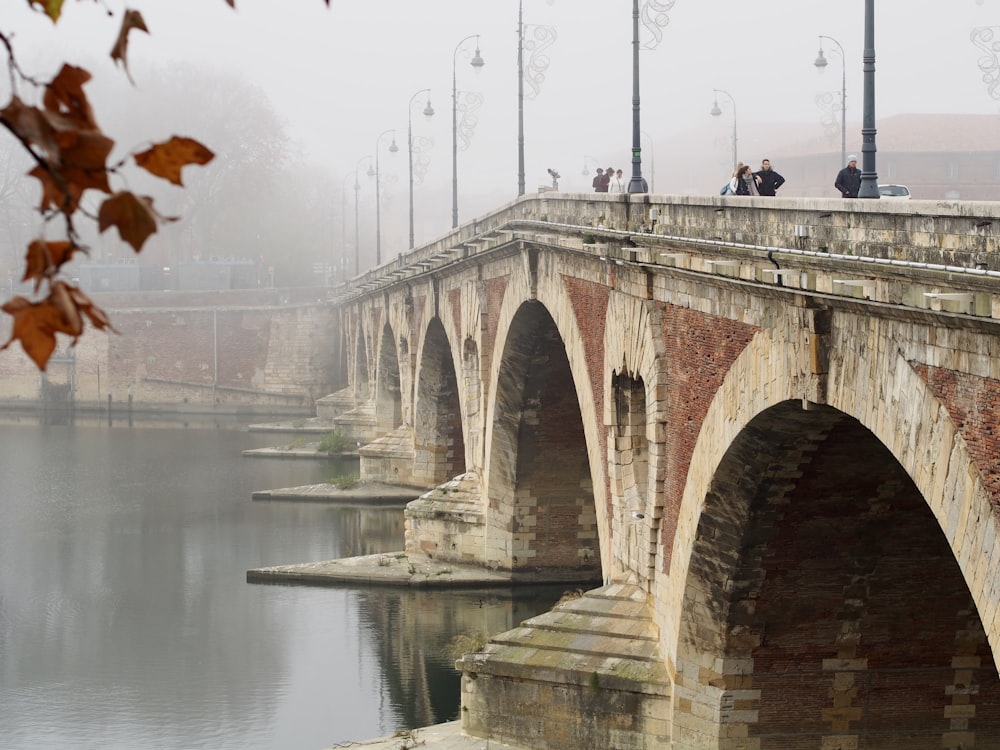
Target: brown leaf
(83, 159)
(69, 321)
(51, 8)
(132, 19)
(64, 96)
(132, 214)
(31, 125)
(97, 317)
(167, 159)
(43, 258)
(33, 327)
(53, 194)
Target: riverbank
(439, 737)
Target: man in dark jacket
(768, 181)
(849, 178)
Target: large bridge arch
(389, 383)
(573, 316)
(805, 537)
(438, 436)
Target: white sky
(342, 75)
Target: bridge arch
(438, 439)
(888, 631)
(388, 383)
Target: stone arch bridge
(765, 430)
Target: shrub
(334, 442)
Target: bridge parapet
(936, 256)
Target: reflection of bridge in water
(771, 422)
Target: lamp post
(869, 177)
(821, 64)
(637, 184)
(357, 244)
(393, 148)
(477, 63)
(716, 111)
(428, 113)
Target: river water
(126, 621)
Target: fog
(337, 77)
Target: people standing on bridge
(768, 181)
(849, 178)
(744, 181)
(617, 183)
(600, 182)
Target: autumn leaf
(132, 214)
(132, 19)
(51, 8)
(97, 317)
(167, 159)
(33, 327)
(30, 125)
(60, 196)
(44, 257)
(64, 96)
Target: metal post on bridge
(869, 176)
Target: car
(894, 192)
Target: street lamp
(428, 113)
(477, 63)
(869, 177)
(637, 184)
(821, 64)
(357, 189)
(393, 148)
(716, 111)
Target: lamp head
(820, 61)
(715, 111)
(371, 171)
(393, 148)
(428, 110)
(477, 62)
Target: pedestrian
(744, 181)
(617, 183)
(598, 180)
(768, 181)
(849, 178)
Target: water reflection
(126, 622)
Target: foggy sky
(342, 75)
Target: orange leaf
(83, 158)
(43, 258)
(51, 8)
(167, 159)
(33, 327)
(131, 20)
(97, 317)
(64, 96)
(132, 214)
(53, 193)
(69, 320)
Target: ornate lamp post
(477, 63)
(428, 113)
(821, 64)
(654, 18)
(393, 148)
(869, 177)
(637, 184)
(716, 111)
(537, 65)
(357, 244)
